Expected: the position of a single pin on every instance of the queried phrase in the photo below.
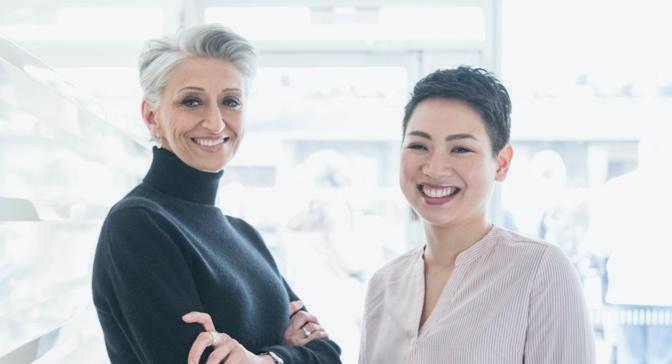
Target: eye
(191, 102)
(416, 146)
(460, 150)
(232, 102)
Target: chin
(437, 221)
(209, 167)
(213, 168)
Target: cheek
(480, 174)
(236, 122)
(172, 123)
(406, 171)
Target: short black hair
(477, 87)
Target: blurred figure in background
(629, 237)
(556, 219)
(330, 243)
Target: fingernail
(186, 317)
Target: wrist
(266, 359)
(271, 358)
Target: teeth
(438, 192)
(208, 142)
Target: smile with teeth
(438, 192)
(210, 142)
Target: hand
(303, 327)
(225, 348)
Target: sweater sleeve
(314, 352)
(319, 351)
(559, 329)
(142, 286)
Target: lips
(210, 142)
(437, 194)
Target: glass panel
(63, 164)
(100, 23)
(117, 88)
(394, 23)
(317, 174)
(591, 126)
(44, 277)
(305, 99)
(58, 145)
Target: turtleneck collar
(173, 177)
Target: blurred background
(591, 85)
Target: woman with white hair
(166, 251)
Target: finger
(294, 307)
(302, 339)
(317, 334)
(203, 340)
(300, 319)
(310, 317)
(321, 332)
(199, 317)
(222, 352)
(312, 327)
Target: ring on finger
(214, 335)
(306, 332)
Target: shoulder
(545, 263)
(240, 225)
(135, 222)
(141, 203)
(508, 239)
(137, 236)
(520, 249)
(244, 230)
(522, 258)
(138, 199)
(133, 212)
(250, 235)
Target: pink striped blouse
(509, 299)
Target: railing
(632, 316)
(62, 164)
(32, 350)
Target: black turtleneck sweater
(165, 250)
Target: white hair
(160, 56)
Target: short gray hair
(160, 56)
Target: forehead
(446, 116)
(204, 72)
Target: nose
(213, 120)
(437, 166)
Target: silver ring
(214, 335)
(306, 333)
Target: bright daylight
(321, 182)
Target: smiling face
(199, 116)
(447, 166)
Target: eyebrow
(194, 88)
(449, 138)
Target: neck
(445, 243)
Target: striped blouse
(509, 300)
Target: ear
(151, 122)
(503, 162)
